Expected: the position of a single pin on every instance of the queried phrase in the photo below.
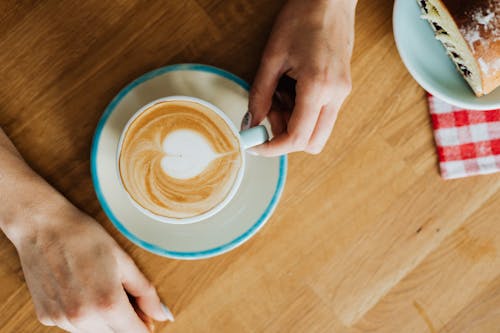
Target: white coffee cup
(247, 139)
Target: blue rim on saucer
(152, 247)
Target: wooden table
(367, 236)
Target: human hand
(80, 279)
(311, 43)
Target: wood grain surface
(367, 236)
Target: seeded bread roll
(470, 32)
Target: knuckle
(320, 86)
(345, 85)
(321, 78)
(328, 87)
(271, 56)
(57, 319)
(149, 288)
(75, 312)
(316, 74)
(45, 320)
(106, 302)
(299, 141)
(255, 93)
(314, 149)
(318, 83)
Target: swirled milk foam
(179, 159)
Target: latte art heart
(179, 159)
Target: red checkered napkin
(468, 142)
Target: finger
(144, 317)
(323, 130)
(121, 317)
(90, 324)
(65, 325)
(41, 301)
(49, 311)
(45, 320)
(326, 121)
(263, 87)
(302, 122)
(43, 316)
(137, 285)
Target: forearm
(24, 196)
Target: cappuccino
(179, 159)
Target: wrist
(342, 6)
(34, 207)
(343, 2)
(28, 204)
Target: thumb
(263, 87)
(137, 285)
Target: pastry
(470, 32)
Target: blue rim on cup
(152, 247)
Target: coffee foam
(179, 159)
(187, 154)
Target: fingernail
(168, 313)
(247, 121)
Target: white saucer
(426, 60)
(252, 206)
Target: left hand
(312, 43)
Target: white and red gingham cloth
(468, 141)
